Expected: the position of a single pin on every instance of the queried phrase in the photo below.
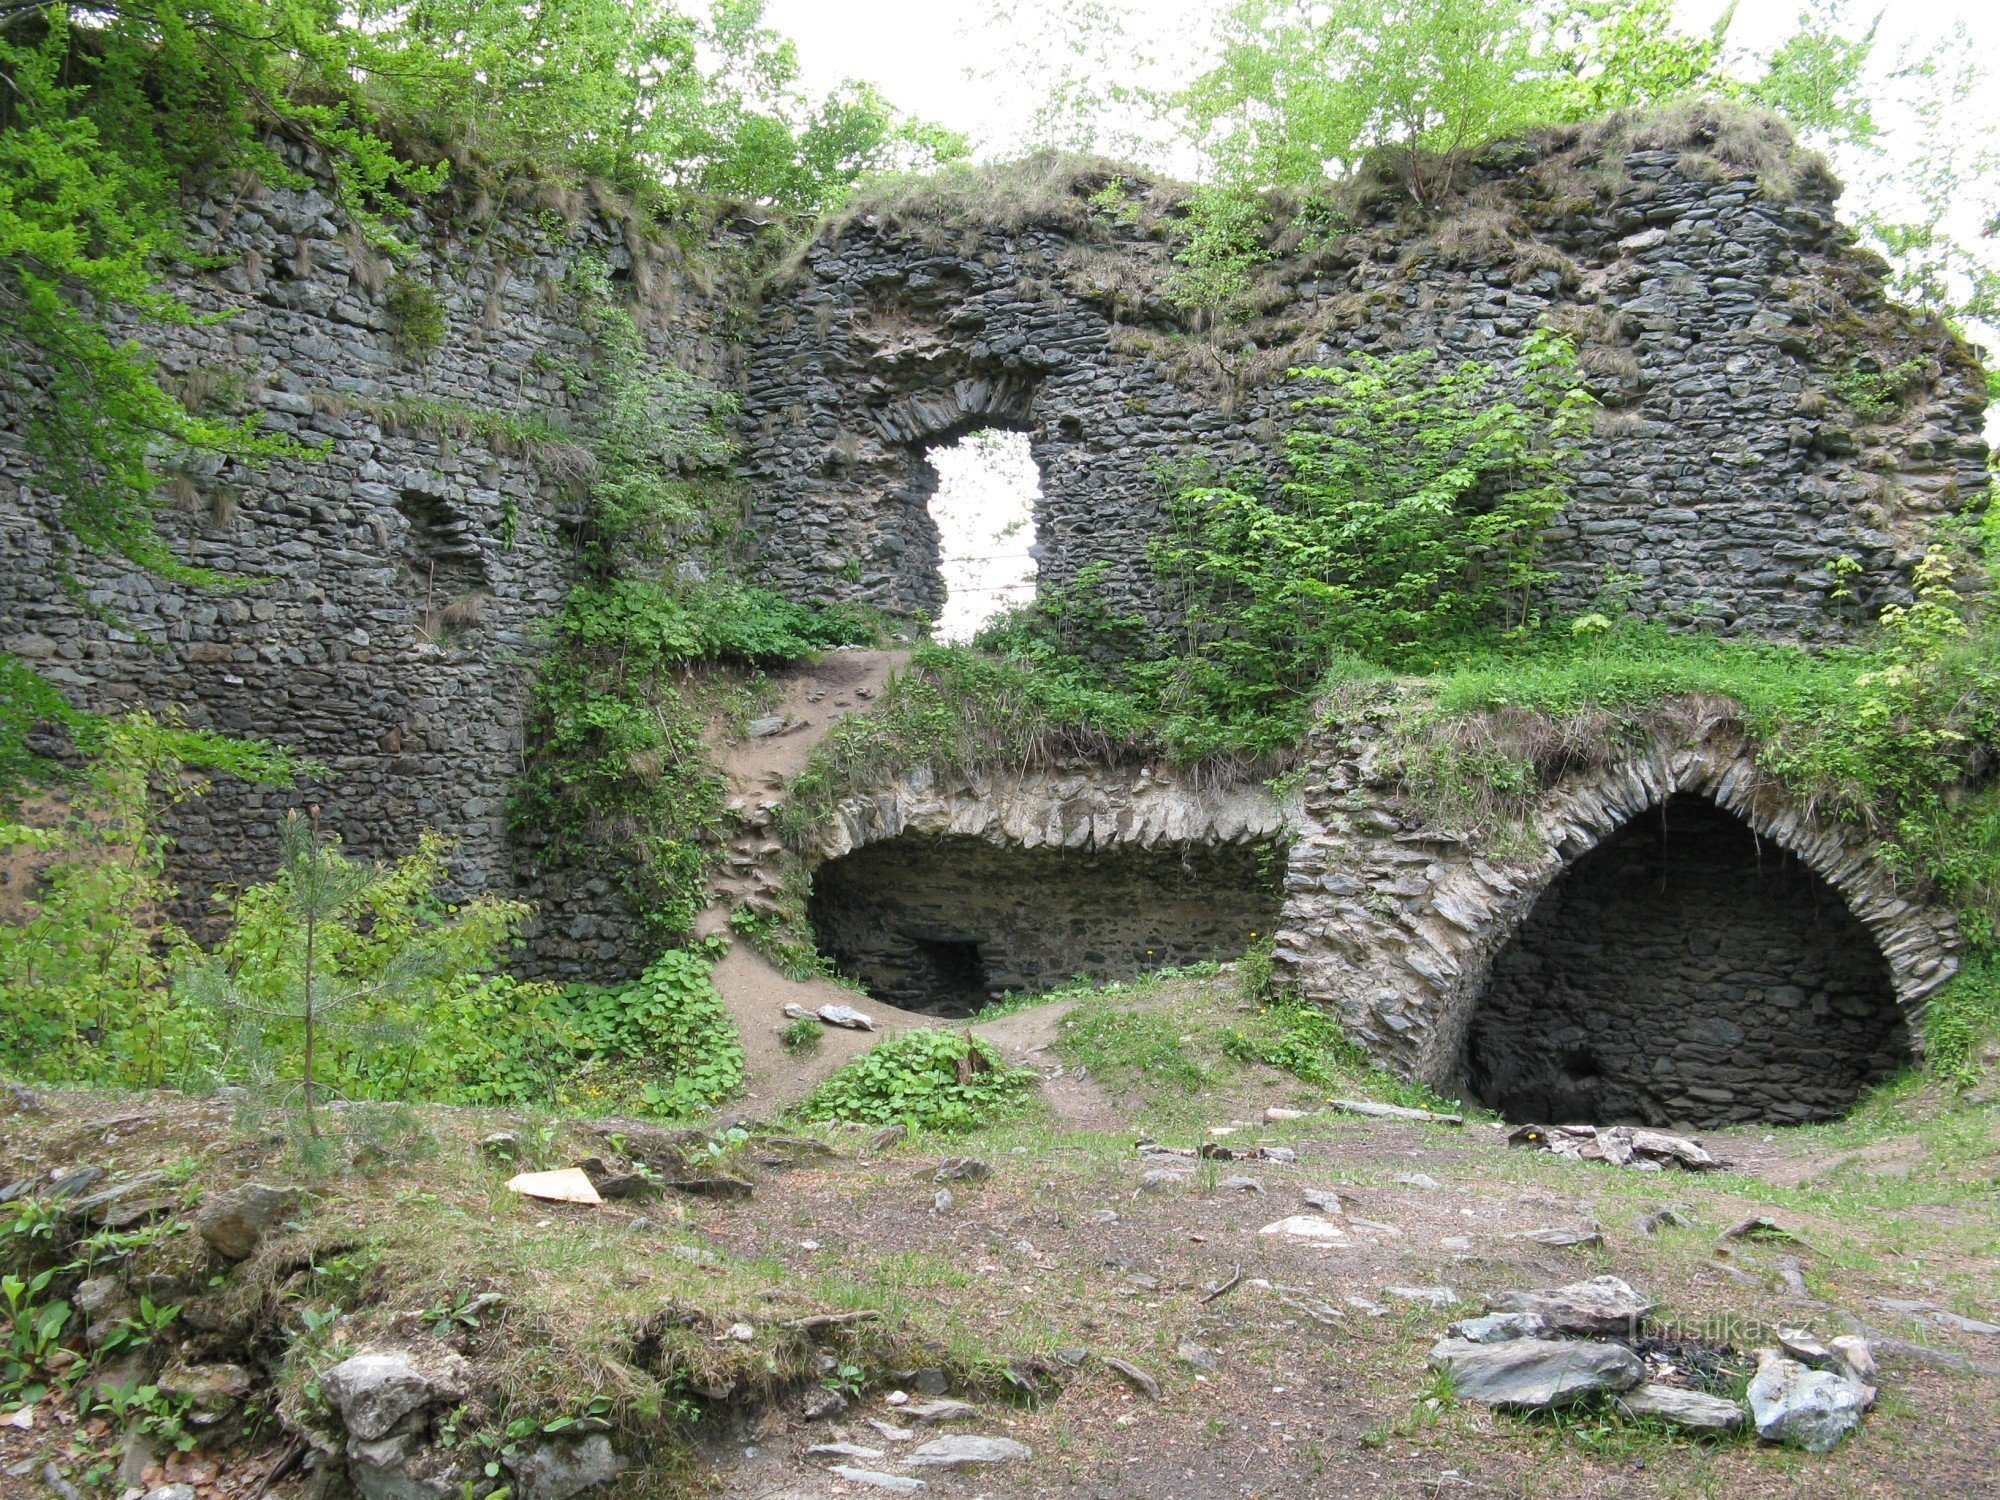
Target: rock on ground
(376, 1389)
(556, 1471)
(1537, 1374)
(1693, 1411)
(1810, 1409)
(1602, 1306)
(234, 1221)
(963, 1448)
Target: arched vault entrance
(1685, 971)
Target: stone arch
(1397, 925)
(1683, 971)
(939, 895)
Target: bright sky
(928, 56)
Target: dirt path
(812, 698)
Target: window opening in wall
(984, 508)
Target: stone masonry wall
(946, 924)
(336, 648)
(1680, 973)
(1396, 922)
(1720, 487)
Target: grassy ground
(1309, 1376)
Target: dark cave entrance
(1685, 973)
(946, 925)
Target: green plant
(281, 972)
(1877, 394)
(83, 993)
(1212, 270)
(932, 1079)
(34, 1329)
(669, 1018)
(802, 1035)
(416, 315)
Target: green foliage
(1304, 1040)
(669, 1020)
(1816, 77)
(415, 314)
(83, 971)
(619, 764)
(1877, 394)
(1302, 87)
(27, 703)
(1213, 270)
(1412, 518)
(803, 1035)
(1606, 55)
(930, 1079)
(344, 959)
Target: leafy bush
(931, 1079)
(803, 1035)
(83, 995)
(670, 1021)
(1305, 1040)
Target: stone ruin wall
(1396, 921)
(1721, 481)
(336, 651)
(1720, 484)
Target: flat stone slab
(1801, 1407)
(1601, 1307)
(1692, 1411)
(961, 1449)
(1306, 1227)
(895, 1484)
(1537, 1374)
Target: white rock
(1810, 1409)
(1307, 1227)
(963, 1448)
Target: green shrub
(83, 992)
(416, 316)
(803, 1035)
(932, 1079)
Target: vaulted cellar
(946, 924)
(1685, 972)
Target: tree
(1301, 88)
(1817, 77)
(302, 991)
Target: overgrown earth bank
(1169, 1267)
